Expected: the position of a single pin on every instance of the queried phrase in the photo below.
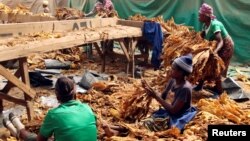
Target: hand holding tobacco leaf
(148, 89)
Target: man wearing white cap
(45, 6)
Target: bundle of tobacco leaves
(66, 13)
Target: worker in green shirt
(70, 121)
(215, 30)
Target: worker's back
(71, 121)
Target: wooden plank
(12, 99)
(137, 24)
(130, 23)
(108, 22)
(22, 18)
(10, 77)
(71, 40)
(15, 29)
(74, 25)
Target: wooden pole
(103, 43)
(23, 64)
(133, 46)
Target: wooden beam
(16, 29)
(12, 99)
(9, 85)
(124, 49)
(23, 65)
(130, 23)
(98, 49)
(10, 77)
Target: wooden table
(76, 33)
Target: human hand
(148, 89)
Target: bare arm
(91, 13)
(172, 109)
(219, 40)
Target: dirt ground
(114, 67)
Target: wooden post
(98, 49)
(124, 49)
(133, 46)
(23, 65)
(103, 44)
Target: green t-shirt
(215, 26)
(70, 121)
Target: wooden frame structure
(24, 85)
(79, 32)
(128, 49)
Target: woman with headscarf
(70, 121)
(215, 30)
(101, 5)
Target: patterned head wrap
(106, 6)
(207, 10)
